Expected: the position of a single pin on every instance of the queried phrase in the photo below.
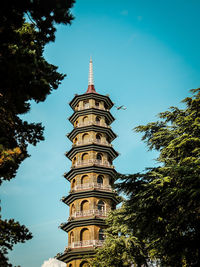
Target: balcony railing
(92, 185)
(88, 213)
(86, 243)
(82, 124)
(88, 106)
(91, 141)
(92, 162)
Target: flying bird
(121, 107)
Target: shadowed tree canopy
(26, 26)
(162, 212)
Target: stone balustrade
(89, 106)
(85, 243)
(82, 124)
(92, 162)
(91, 141)
(88, 213)
(92, 185)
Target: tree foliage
(163, 210)
(11, 232)
(26, 75)
(121, 246)
(26, 26)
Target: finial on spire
(91, 88)
(90, 78)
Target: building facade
(91, 176)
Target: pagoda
(91, 176)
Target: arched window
(73, 209)
(73, 183)
(85, 157)
(85, 138)
(71, 239)
(86, 104)
(110, 160)
(70, 265)
(101, 234)
(101, 205)
(74, 160)
(98, 120)
(85, 120)
(99, 156)
(98, 138)
(84, 264)
(100, 179)
(75, 140)
(76, 123)
(97, 104)
(108, 139)
(85, 179)
(85, 205)
(84, 235)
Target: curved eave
(85, 96)
(82, 222)
(74, 254)
(96, 147)
(97, 169)
(94, 111)
(94, 128)
(92, 193)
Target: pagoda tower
(91, 175)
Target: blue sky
(146, 57)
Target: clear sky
(146, 57)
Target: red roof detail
(91, 89)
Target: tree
(11, 232)
(25, 28)
(163, 207)
(121, 246)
